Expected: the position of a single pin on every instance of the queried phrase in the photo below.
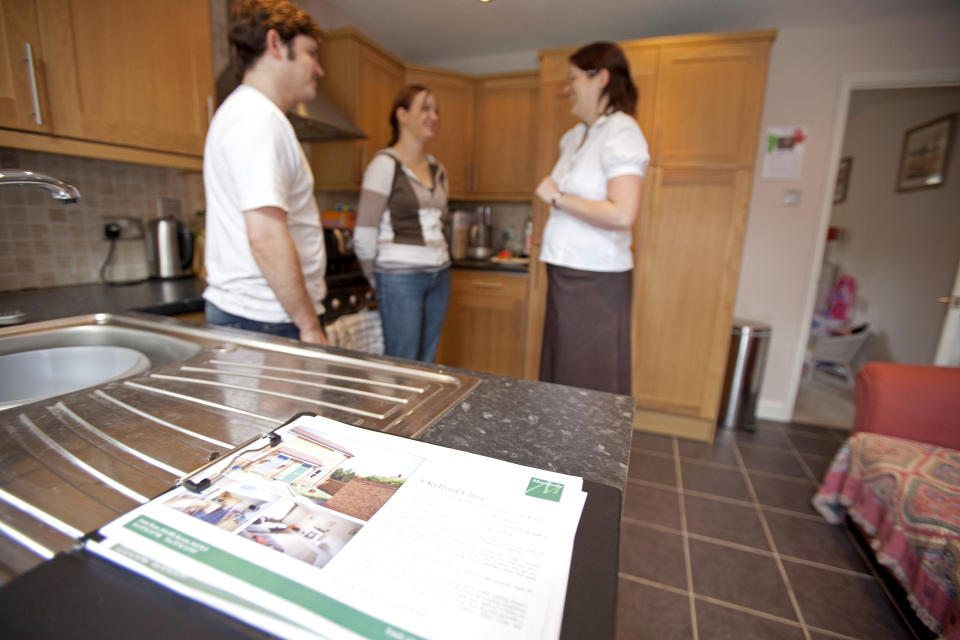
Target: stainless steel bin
(746, 360)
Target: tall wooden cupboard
(700, 104)
(128, 80)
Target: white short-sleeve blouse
(614, 146)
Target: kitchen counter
(489, 265)
(166, 297)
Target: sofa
(897, 478)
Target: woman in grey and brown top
(399, 235)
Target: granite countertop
(574, 431)
(489, 265)
(166, 297)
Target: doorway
(901, 247)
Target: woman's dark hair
(404, 99)
(620, 91)
(251, 19)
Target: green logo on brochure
(545, 489)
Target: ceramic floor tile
(845, 604)
(651, 441)
(652, 554)
(720, 451)
(809, 444)
(658, 506)
(721, 623)
(724, 521)
(794, 495)
(718, 481)
(814, 540)
(648, 613)
(772, 460)
(818, 465)
(747, 579)
(653, 468)
(765, 435)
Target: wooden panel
(363, 81)
(132, 73)
(453, 143)
(484, 325)
(644, 62)
(506, 138)
(18, 25)
(685, 285)
(708, 100)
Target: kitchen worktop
(489, 265)
(575, 431)
(166, 297)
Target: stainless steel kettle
(169, 248)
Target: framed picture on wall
(926, 150)
(843, 179)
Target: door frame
(849, 82)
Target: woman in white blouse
(594, 195)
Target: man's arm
(276, 255)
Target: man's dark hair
(620, 91)
(251, 19)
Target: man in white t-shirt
(265, 256)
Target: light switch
(791, 198)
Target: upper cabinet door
(644, 61)
(452, 145)
(505, 148)
(133, 73)
(708, 102)
(23, 102)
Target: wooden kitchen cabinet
(136, 76)
(710, 95)
(453, 144)
(363, 80)
(485, 322)
(701, 98)
(505, 136)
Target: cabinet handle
(34, 92)
(518, 315)
(488, 285)
(209, 109)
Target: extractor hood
(314, 121)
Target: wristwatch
(555, 197)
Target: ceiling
(432, 31)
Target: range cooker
(347, 288)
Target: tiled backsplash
(44, 243)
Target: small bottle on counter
(528, 237)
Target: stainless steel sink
(71, 463)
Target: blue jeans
(216, 315)
(412, 309)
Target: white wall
(783, 246)
(902, 247)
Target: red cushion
(917, 402)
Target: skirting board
(674, 425)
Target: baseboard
(774, 410)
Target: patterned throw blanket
(905, 497)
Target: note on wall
(783, 153)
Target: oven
(347, 288)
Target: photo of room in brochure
(327, 530)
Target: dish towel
(359, 331)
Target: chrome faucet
(58, 189)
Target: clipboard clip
(201, 485)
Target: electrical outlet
(122, 228)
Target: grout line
(719, 498)
(803, 463)
(731, 605)
(772, 543)
(879, 579)
(688, 564)
(790, 512)
(748, 549)
(651, 484)
(653, 583)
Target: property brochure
(322, 529)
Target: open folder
(322, 529)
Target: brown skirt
(586, 331)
